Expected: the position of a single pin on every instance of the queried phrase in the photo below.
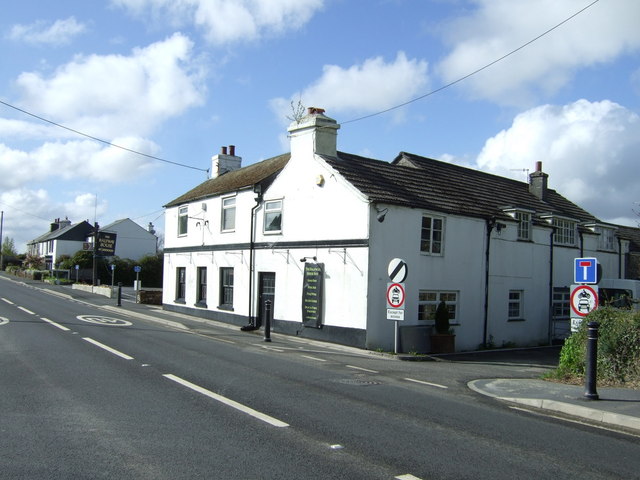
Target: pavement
(616, 408)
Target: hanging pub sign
(106, 244)
(312, 294)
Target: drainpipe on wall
(620, 258)
(550, 312)
(252, 324)
(491, 222)
(581, 244)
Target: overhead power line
(451, 84)
(78, 132)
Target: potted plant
(443, 341)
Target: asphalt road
(88, 393)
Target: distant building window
(226, 287)
(432, 235)
(201, 297)
(565, 233)
(273, 216)
(524, 225)
(228, 213)
(516, 310)
(181, 283)
(606, 240)
(183, 220)
(428, 302)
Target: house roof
(260, 172)
(420, 182)
(632, 234)
(113, 225)
(75, 232)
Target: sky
(479, 83)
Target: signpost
(137, 269)
(396, 294)
(584, 294)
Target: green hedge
(618, 348)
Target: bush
(618, 348)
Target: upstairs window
(524, 225)
(606, 240)
(432, 235)
(273, 216)
(183, 220)
(565, 233)
(228, 214)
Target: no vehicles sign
(584, 299)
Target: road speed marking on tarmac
(106, 321)
(4, 321)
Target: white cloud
(225, 21)
(28, 213)
(115, 95)
(61, 32)
(589, 150)
(495, 27)
(369, 87)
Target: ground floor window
(226, 287)
(561, 303)
(516, 305)
(428, 302)
(181, 282)
(201, 297)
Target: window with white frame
(606, 240)
(201, 296)
(181, 284)
(273, 216)
(428, 301)
(524, 225)
(226, 287)
(565, 233)
(183, 220)
(516, 307)
(228, 213)
(561, 303)
(432, 235)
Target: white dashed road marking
(108, 349)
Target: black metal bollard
(592, 361)
(119, 294)
(267, 321)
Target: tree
(34, 262)
(9, 247)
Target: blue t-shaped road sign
(585, 270)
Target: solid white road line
(426, 383)
(8, 301)
(26, 310)
(360, 368)
(238, 406)
(108, 349)
(57, 325)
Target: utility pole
(95, 253)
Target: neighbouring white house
(309, 235)
(65, 238)
(132, 240)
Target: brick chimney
(225, 161)
(538, 182)
(314, 133)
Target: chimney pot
(223, 150)
(232, 150)
(538, 166)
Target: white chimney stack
(314, 133)
(225, 161)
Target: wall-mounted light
(499, 227)
(381, 213)
(304, 259)
(320, 180)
